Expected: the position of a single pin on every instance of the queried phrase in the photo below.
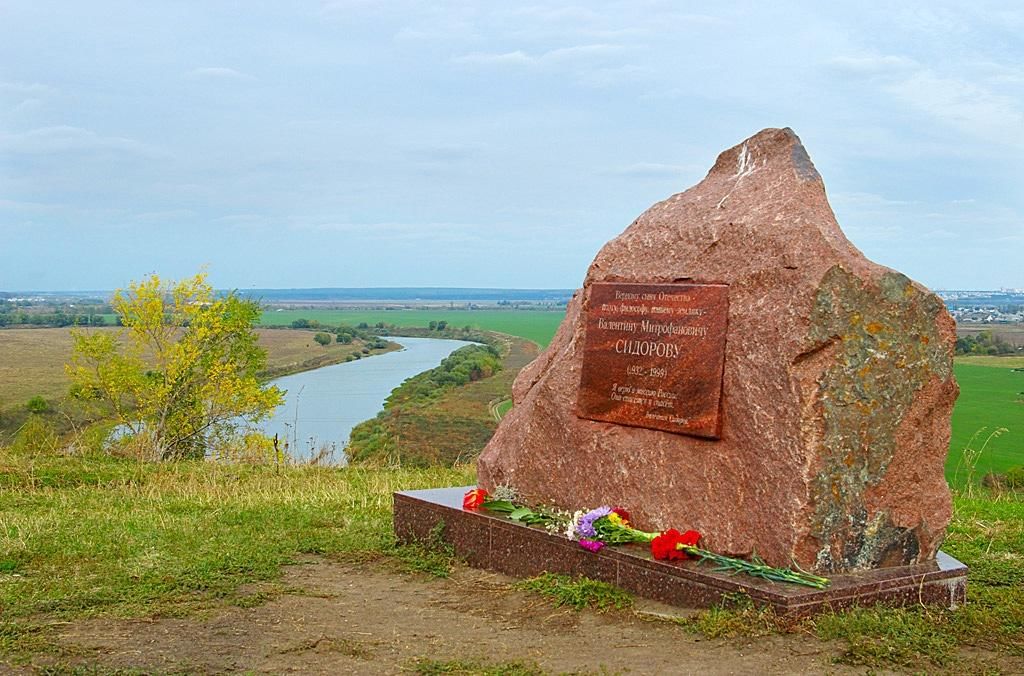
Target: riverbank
(322, 406)
(291, 351)
(448, 428)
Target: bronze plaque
(653, 356)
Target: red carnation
(623, 514)
(474, 498)
(665, 546)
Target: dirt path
(343, 618)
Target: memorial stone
(734, 365)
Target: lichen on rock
(888, 348)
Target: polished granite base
(493, 542)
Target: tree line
(984, 343)
(12, 316)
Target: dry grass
(1011, 333)
(32, 363)
(32, 360)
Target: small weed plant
(736, 616)
(578, 592)
(433, 556)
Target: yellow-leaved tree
(181, 375)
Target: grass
(536, 325)
(32, 363)
(502, 408)
(85, 537)
(990, 398)
(434, 557)
(578, 592)
(736, 616)
(995, 362)
(878, 637)
(102, 537)
(987, 533)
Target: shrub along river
(323, 405)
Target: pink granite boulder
(836, 393)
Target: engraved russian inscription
(653, 356)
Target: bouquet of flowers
(594, 529)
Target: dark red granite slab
(490, 541)
(653, 356)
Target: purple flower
(586, 526)
(591, 545)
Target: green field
(990, 398)
(536, 325)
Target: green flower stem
(756, 568)
(617, 534)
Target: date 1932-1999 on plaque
(653, 356)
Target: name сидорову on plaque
(653, 356)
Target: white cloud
(21, 205)
(517, 57)
(460, 233)
(163, 216)
(66, 139)
(871, 65)
(654, 170)
(593, 65)
(581, 52)
(25, 89)
(217, 73)
(441, 154)
(873, 233)
(940, 233)
(963, 105)
(555, 56)
(240, 219)
(26, 106)
(349, 6)
(867, 199)
(610, 77)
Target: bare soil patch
(369, 619)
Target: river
(323, 405)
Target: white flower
(570, 531)
(506, 492)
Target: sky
(483, 144)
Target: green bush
(1015, 477)
(35, 437)
(38, 404)
(465, 365)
